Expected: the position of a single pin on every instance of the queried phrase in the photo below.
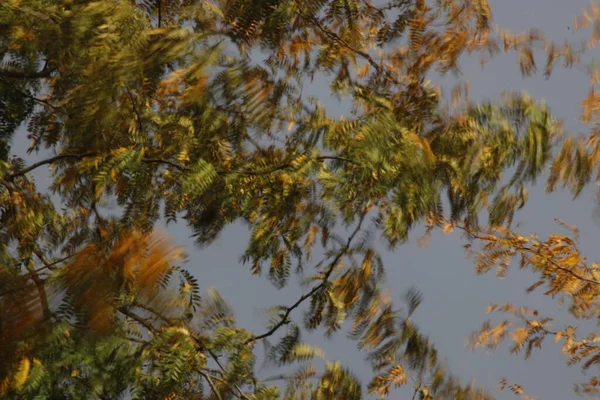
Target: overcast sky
(455, 298)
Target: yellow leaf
(557, 337)
(306, 351)
(183, 155)
(367, 266)
(520, 335)
(118, 151)
(448, 228)
(290, 126)
(22, 373)
(534, 324)
(362, 71)
(337, 302)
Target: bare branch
(282, 377)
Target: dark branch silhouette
(284, 319)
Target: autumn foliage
(195, 112)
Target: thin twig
(211, 384)
(416, 391)
(366, 56)
(314, 290)
(536, 252)
(216, 359)
(135, 110)
(137, 318)
(50, 160)
(282, 377)
(152, 310)
(173, 164)
(37, 99)
(47, 264)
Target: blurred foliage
(194, 110)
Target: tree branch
(173, 164)
(314, 290)
(49, 161)
(338, 158)
(211, 384)
(137, 318)
(536, 252)
(47, 264)
(282, 377)
(169, 322)
(362, 54)
(156, 313)
(180, 167)
(216, 359)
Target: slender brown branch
(173, 164)
(47, 264)
(416, 391)
(180, 167)
(211, 384)
(50, 160)
(557, 265)
(240, 395)
(36, 99)
(137, 318)
(170, 323)
(44, 102)
(338, 158)
(536, 252)
(554, 333)
(362, 54)
(216, 359)
(152, 310)
(282, 377)
(246, 171)
(135, 111)
(314, 290)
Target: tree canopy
(193, 111)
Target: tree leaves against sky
(194, 110)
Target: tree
(193, 110)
